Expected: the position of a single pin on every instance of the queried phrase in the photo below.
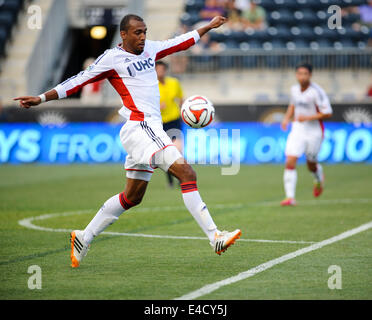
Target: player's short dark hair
(305, 65)
(162, 63)
(124, 24)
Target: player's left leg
(317, 170)
(220, 241)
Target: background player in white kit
(130, 68)
(309, 106)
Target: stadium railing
(237, 59)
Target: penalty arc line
(28, 223)
(267, 265)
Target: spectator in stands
(242, 5)
(364, 10)
(233, 14)
(212, 8)
(365, 13)
(254, 17)
(91, 93)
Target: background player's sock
(106, 216)
(290, 181)
(318, 174)
(170, 179)
(198, 209)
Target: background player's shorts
(148, 148)
(173, 129)
(301, 141)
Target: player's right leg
(290, 181)
(294, 149)
(107, 215)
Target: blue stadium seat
(6, 20)
(303, 32)
(190, 19)
(258, 35)
(326, 33)
(306, 16)
(217, 36)
(281, 17)
(11, 5)
(313, 4)
(254, 44)
(349, 19)
(283, 33)
(194, 5)
(268, 5)
(301, 44)
(324, 43)
(239, 36)
(3, 38)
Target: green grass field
(127, 267)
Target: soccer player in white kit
(309, 106)
(130, 68)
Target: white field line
(28, 223)
(267, 265)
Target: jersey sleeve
(99, 70)
(180, 43)
(322, 102)
(292, 96)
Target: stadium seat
(6, 20)
(281, 17)
(268, 5)
(11, 5)
(305, 16)
(313, 4)
(190, 19)
(3, 38)
(194, 5)
(349, 19)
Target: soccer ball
(197, 111)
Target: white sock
(318, 174)
(198, 209)
(290, 181)
(106, 216)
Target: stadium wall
(223, 143)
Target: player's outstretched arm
(288, 116)
(29, 101)
(216, 22)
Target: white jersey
(133, 76)
(310, 102)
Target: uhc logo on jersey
(139, 66)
